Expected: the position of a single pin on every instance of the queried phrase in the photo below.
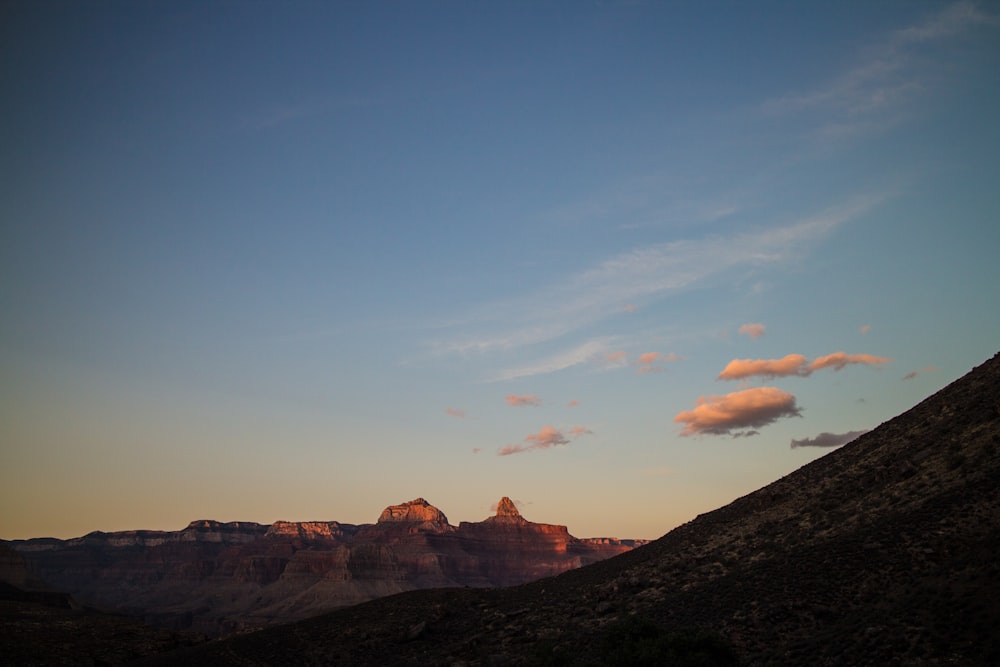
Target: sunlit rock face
(415, 511)
(218, 577)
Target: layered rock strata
(219, 577)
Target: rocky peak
(414, 511)
(506, 507)
(507, 512)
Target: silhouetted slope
(881, 552)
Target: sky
(623, 262)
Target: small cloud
(519, 401)
(615, 359)
(573, 403)
(740, 369)
(548, 436)
(738, 413)
(865, 328)
(838, 360)
(476, 450)
(455, 412)
(913, 374)
(828, 439)
(651, 362)
(630, 308)
(753, 329)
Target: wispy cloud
(273, 116)
(913, 374)
(520, 401)
(646, 273)
(865, 328)
(572, 404)
(588, 351)
(548, 436)
(653, 362)
(838, 360)
(738, 413)
(883, 84)
(455, 412)
(828, 439)
(752, 329)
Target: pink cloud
(615, 359)
(519, 401)
(738, 413)
(739, 369)
(865, 328)
(630, 308)
(455, 412)
(753, 329)
(838, 360)
(573, 403)
(794, 364)
(548, 436)
(476, 450)
(649, 362)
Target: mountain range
(218, 578)
(882, 552)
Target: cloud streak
(752, 329)
(588, 351)
(828, 439)
(913, 374)
(882, 86)
(458, 413)
(795, 365)
(738, 413)
(741, 369)
(839, 360)
(548, 436)
(653, 362)
(643, 274)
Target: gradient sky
(623, 262)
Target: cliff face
(218, 577)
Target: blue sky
(299, 261)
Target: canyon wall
(222, 577)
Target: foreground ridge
(881, 552)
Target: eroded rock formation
(219, 577)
